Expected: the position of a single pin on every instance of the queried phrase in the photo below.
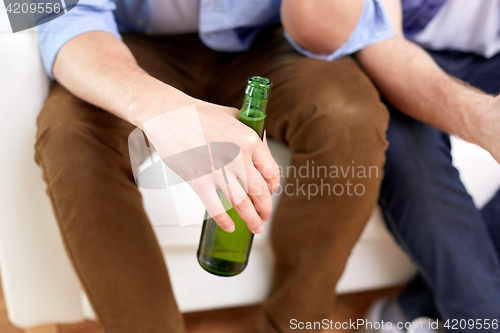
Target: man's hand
(211, 150)
(100, 69)
(254, 167)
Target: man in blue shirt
(121, 65)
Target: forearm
(100, 69)
(411, 81)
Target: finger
(274, 187)
(242, 204)
(210, 199)
(259, 192)
(237, 167)
(267, 167)
(219, 214)
(225, 222)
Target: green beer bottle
(220, 252)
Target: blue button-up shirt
(225, 25)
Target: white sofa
(38, 282)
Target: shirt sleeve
(87, 15)
(373, 26)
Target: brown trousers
(327, 113)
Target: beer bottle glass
(220, 252)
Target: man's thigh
(337, 91)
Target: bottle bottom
(221, 267)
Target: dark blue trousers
(455, 246)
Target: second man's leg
(419, 162)
(435, 220)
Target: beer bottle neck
(253, 111)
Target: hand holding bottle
(219, 252)
(188, 140)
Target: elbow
(315, 28)
(313, 36)
(319, 43)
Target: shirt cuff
(82, 18)
(373, 26)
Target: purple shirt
(418, 13)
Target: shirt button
(140, 23)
